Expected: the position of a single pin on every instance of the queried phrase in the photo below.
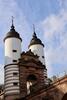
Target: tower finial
(34, 34)
(33, 28)
(12, 26)
(12, 20)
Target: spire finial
(12, 26)
(12, 20)
(34, 34)
(33, 28)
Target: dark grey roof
(12, 33)
(35, 40)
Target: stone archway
(64, 97)
(31, 80)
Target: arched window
(31, 80)
(64, 97)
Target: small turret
(37, 47)
(12, 42)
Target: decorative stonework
(28, 57)
(29, 65)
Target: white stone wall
(39, 50)
(11, 70)
(10, 45)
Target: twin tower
(13, 81)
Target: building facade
(26, 72)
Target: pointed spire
(33, 27)
(35, 39)
(12, 26)
(12, 20)
(34, 33)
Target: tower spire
(34, 33)
(12, 20)
(33, 27)
(12, 26)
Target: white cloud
(11, 8)
(55, 32)
(62, 3)
(54, 24)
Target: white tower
(12, 54)
(37, 47)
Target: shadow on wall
(8, 59)
(64, 97)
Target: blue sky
(50, 19)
